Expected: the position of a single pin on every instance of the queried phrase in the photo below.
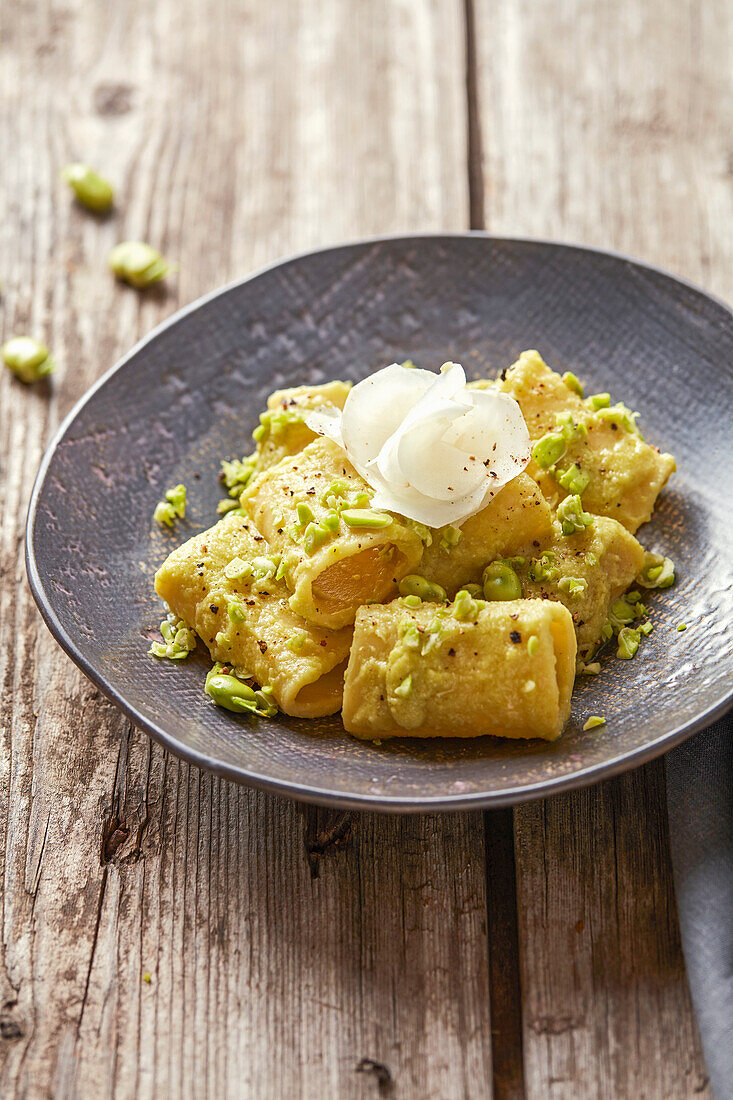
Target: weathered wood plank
(606, 1008)
(505, 990)
(236, 132)
(607, 125)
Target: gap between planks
(505, 998)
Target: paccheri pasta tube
(517, 515)
(222, 584)
(588, 446)
(470, 669)
(586, 571)
(282, 430)
(336, 552)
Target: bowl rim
(535, 789)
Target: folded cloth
(700, 803)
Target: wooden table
(165, 933)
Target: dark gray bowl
(190, 393)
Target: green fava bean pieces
(501, 582)
(415, 585)
(229, 692)
(628, 643)
(658, 572)
(305, 516)
(549, 449)
(138, 264)
(365, 517)
(313, 537)
(574, 480)
(28, 359)
(91, 189)
(465, 606)
(571, 515)
(573, 383)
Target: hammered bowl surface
(190, 395)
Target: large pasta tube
(586, 571)
(420, 672)
(331, 571)
(623, 474)
(516, 515)
(246, 620)
(283, 430)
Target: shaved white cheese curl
(430, 448)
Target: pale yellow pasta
(285, 431)
(540, 392)
(517, 514)
(303, 664)
(588, 571)
(310, 397)
(352, 565)
(625, 474)
(509, 672)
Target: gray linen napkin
(700, 804)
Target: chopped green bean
(628, 642)
(236, 611)
(500, 582)
(415, 585)
(549, 449)
(571, 515)
(658, 572)
(305, 515)
(410, 635)
(620, 414)
(90, 189)
(178, 639)
(237, 474)
(572, 382)
(28, 359)
(338, 488)
(573, 586)
(465, 606)
(331, 521)
(138, 264)
(237, 569)
(365, 517)
(451, 536)
(543, 568)
(173, 507)
(229, 692)
(574, 480)
(313, 537)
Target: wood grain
(607, 125)
(236, 132)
